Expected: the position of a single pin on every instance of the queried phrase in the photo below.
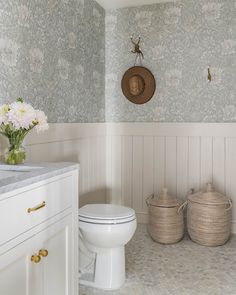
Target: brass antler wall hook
(137, 50)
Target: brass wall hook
(209, 77)
(137, 51)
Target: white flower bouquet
(16, 121)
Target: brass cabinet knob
(43, 252)
(35, 258)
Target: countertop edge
(47, 170)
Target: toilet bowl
(104, 231)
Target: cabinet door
(18, 274)
(58, 265)
(52, 275)
(14, 278)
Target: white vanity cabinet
(38, 238)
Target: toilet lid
(106, 212)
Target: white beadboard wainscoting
(142, 158)
(80, 142)
(124, 163)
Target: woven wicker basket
(209, 217)
(166, 222)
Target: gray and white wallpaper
(179, 40)
(52, 53)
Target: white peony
(16, 120)
(41, 120)
(21, 115)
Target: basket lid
(164, 200)
(210, 197)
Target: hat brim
(149, 85)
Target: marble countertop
(17, 176)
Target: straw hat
(138, 85)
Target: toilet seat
(106, 214)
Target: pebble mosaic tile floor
(184, 268)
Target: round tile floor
(184, 268)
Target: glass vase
(15, 154)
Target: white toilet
(104, 231)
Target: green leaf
(19, 99)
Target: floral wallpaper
(52, 53)
(179, 40)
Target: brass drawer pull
(35, 258)
(36, 208)
(43, 252)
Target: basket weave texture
(209, 218)
(166, 222)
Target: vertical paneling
(70, 150)
(116, 169)
(109, 168)
(194, 161)
(96, 162)
(138, 173)
(127, 165)
(230, 166)
(159, 164)
(171, 165)
(219, 163)
(102, 162)
(206, 161)
(40, 152)
(135, 163)
(92, 163)
(182, 167)
(84, 165)
(148, 168)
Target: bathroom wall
(52, 53)
(127, 161)
(174, 140)
(182, 138)
(179, 40)
(82, 143)
(143, 158)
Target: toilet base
(109, 272)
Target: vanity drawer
(26, 210)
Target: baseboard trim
(143, 219)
